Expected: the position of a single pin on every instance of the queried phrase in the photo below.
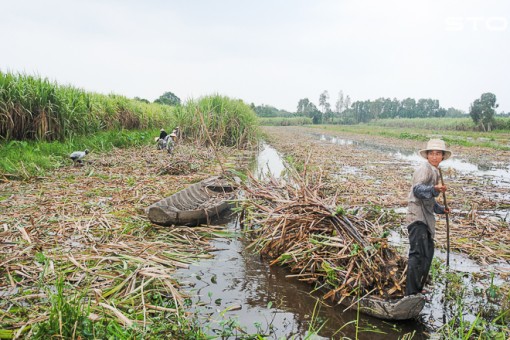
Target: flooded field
(238, 285)
(88, 225)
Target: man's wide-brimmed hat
(438, 145)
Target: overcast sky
(272, 52)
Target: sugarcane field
(255, 170)
(312, 247)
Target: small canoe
(196, 204)
(405, 308)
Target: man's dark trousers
(421, 252)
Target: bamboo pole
(447, 223)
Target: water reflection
(268, 162)
(238, 284)
(499, 173)
(282, 306)
(264, 300)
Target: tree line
(482, 110)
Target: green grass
(443, 123)
(216, 119)
(498, 139)
(491, 313)
(69, 317)
(285, 121)
(220, 120)
(24, 159)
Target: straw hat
(436, 144)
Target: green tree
(142, 100)
(307, 108)
(302, 106)
(407, 108)
(453, 112)
(339, 106)
(168, 98)
(270, 111)
(325, 105)
(482, 111)
(347, 102)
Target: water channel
(237, 287)
(497, 173)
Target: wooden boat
(196, 204)
(408, 307)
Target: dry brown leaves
(87, 225)
(364, 177)
(346, 254)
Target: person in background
(422, 205)
(177, 132)
(170, 142)
(162, 134)
(161, 140)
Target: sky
(266, 52)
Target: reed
(343, 254)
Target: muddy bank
(363, 176)
(84, 230)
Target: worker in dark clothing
(162, 134)
(420, 216)
(161, 140)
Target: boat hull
(194, 205)
(408, 307)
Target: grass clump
(220, 120)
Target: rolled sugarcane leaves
(343, 254)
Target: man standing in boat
(425, 188)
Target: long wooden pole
(447, 223)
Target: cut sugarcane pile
(345, 254)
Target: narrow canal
(238, 288)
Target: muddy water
(238, 285)
(239, 280)
(496, 173)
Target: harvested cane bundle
(184, 160)
(345, 255)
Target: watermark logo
(474, 24)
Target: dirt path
(362, 177)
